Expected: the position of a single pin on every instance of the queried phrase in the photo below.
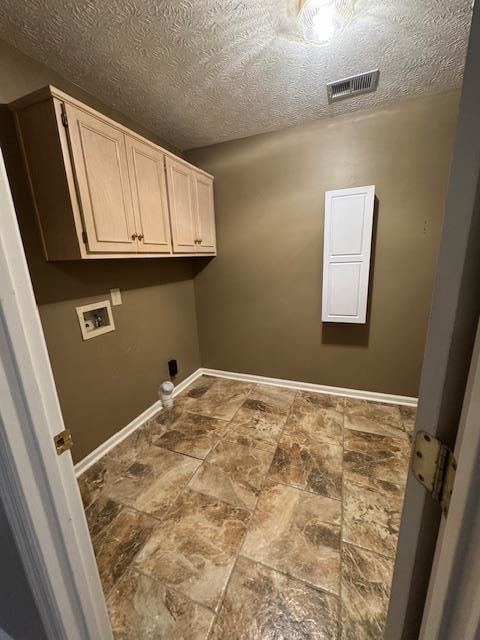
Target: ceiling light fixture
(324, 20)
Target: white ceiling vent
(353, 86)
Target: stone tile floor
(251, 512)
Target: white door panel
(346, 258)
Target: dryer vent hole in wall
(353, 86)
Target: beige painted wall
(258, 303)
(107, 381)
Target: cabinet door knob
(141, 236)
(134, 236)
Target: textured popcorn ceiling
(202, 71)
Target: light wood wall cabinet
(182, 206)
(192, 212)
(205, 214)
(103, 191)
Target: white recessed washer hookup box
(346, 254)
(95, 319)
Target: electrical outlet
(116, 297)
(172, 368)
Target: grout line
(375, 553)
(360, 480)
(220, 603)
(105, 531)
(268, 471)
(224, 593)
(322, 590)
(282, 429)
(309, 493)
(401, 437)
(168, 586)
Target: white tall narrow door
(346, 258)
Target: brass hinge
(64, 116)
(84, 236)
(63, 441)
(434, 466)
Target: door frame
(452, 608)
(451, 336)
(39, 490)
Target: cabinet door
(182, 207)
(346, 254)
(205, 213)
(146, 166)
(100, 163)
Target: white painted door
(454, 315)
(453, 602)
(346, 256)
(39, 489)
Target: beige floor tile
(373, 417)
(263, 604)
(195, 548)
(100, 514)
(143, 609)
(221, 400)
(198, 388)
(371, 513)
(261, 417)
(314, 467)
(273, 399)
(233, 473)
(116, 545)
(366, 580)
(152, 483)
(408, 416)
(309, 403)
(252, 424)
(297, 533)
(311, 423)
(188, 433)
(93, 482)
(372, 456)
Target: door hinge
(64, 116)
(84, 236)
(63, 441)
(434, 466)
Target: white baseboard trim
(387, 398)
(118, 437)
